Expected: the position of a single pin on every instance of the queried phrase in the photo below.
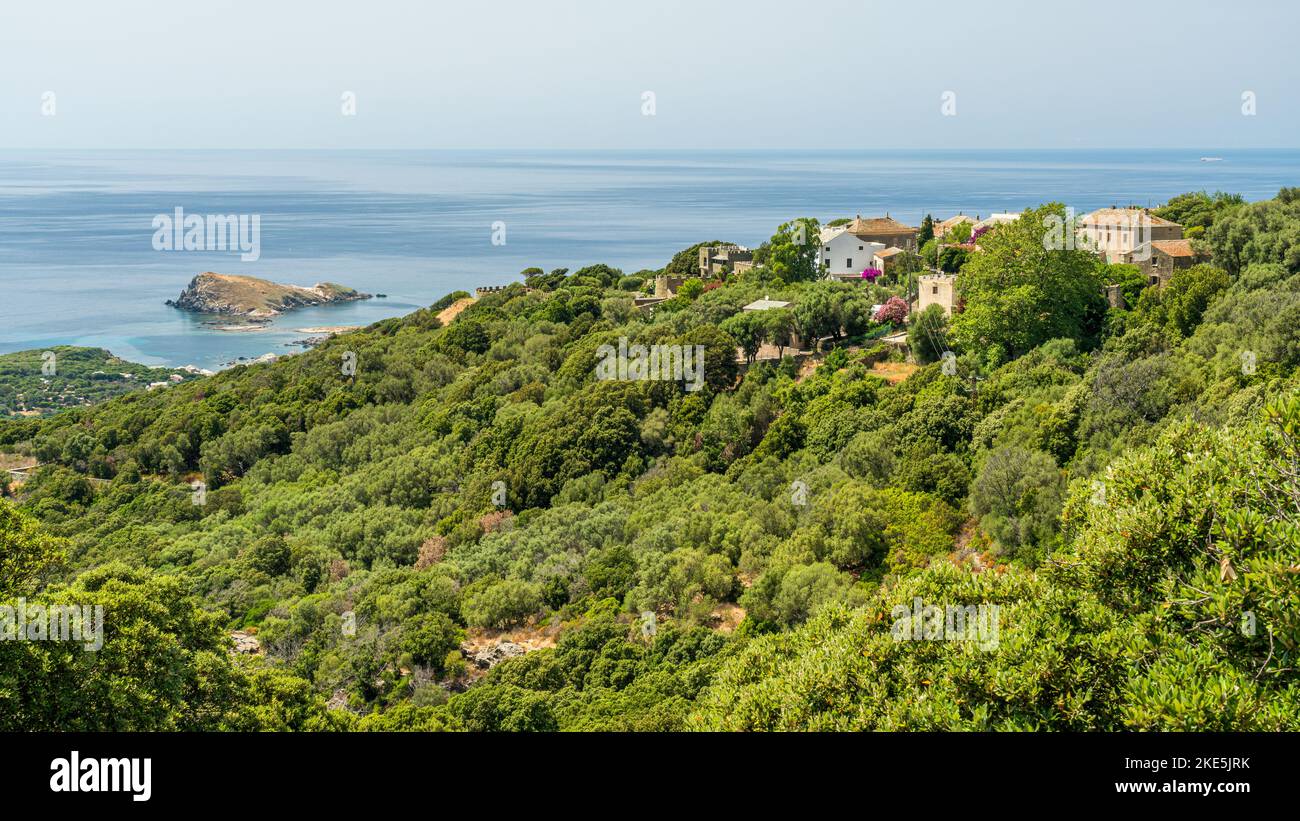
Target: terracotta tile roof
(879, 225)
(952, 222)
(1112, 216)
(889, 252)
(1174, 247)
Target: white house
(845, 254)
(996, 219)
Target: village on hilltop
(864, 248)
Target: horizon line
(661, 148)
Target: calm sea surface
(77, 264)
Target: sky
(575, 74)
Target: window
(859, 247)
(934, 289)
(848, 263)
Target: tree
(927, 337)
(903, 266)
(164, 665)
(815, 314)
(502, 604)
(1017, 496)
(793, 252)
(952, 258)
(1023, 288)
(894, 311)
(927, 231)
(468, 335)
(269, 555)
(28, 554)
(780, 328)
(749, 329)
(1266, 231)
(603, 274)
(720, 370)
(1181, 303)
(686, 262)
(429, 637)
(959, 233)
(1129, 278)
(929, 253)
(691, 289)
(1197, 209)
(852, 311)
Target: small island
(234, 295)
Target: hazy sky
(753, 74)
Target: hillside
(38, 382)
(235, 295)
(463, 528)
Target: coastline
(414, 227)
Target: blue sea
(78, 266)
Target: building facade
(936, 289)
(887, 260)
(718, 260)
(1124, 234)
(942, 227)
(845, 255)
(666, 286)
(885, 230)
(1162, 258)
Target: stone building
(885, 230)
(936, 289)
(1163, 257)
(717, 260)
(1119, 234)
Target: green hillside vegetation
(33, 383)
(1121, 484)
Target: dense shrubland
(1117, 482)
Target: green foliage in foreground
(1175, 607)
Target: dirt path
(453, 310)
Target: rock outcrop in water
(234, 295)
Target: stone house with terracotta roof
(885, 260)
(886, 230)
(942, 227)
(1124, 234)
(1163, 257)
